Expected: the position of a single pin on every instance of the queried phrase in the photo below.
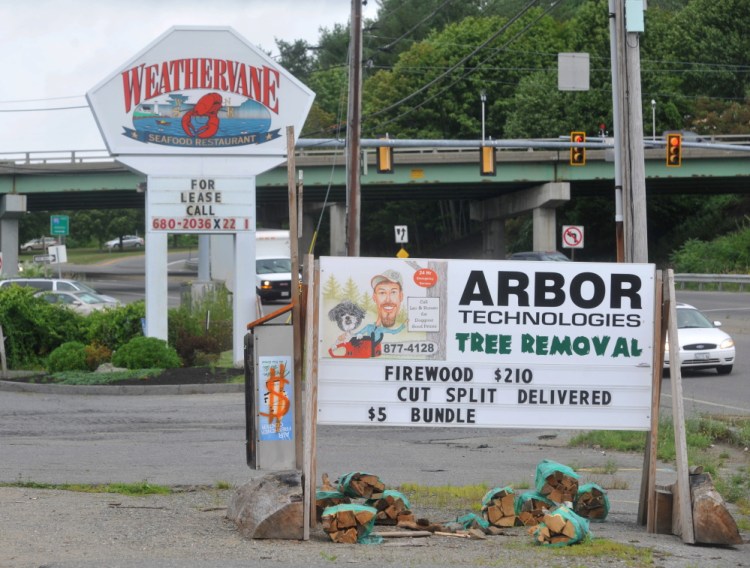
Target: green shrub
(146, 353)
(211, 316)
(113, 328)
(33, 328)
(197, 350)
(70, 356)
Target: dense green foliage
(146, 352)
(33, 328)
(115, 327)
(70, 356)
(426, 62)
(727, 254)
(202, 329)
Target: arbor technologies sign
(485, 344)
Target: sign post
(572, 238)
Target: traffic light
(674, 150)
(384, 159)
(487, 166)
(577, 155)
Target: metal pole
(618, 132)
(353, 130)
(653, 119)
(483, 97)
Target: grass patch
(132, 489)
(462, 497)
(701, 435)
(605, 548)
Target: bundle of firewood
(348, 523)
(592, 502)
(361, 485)
(531, 508)
(560, 483)
(391, 507)
(499, 508)
(560, 527)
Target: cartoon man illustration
(387, 293)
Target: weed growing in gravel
(132, 489)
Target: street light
(483, 98)
(653, 119)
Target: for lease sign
(472, 343)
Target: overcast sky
(54, 51)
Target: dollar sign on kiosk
(201, 112)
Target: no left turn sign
(572, 236)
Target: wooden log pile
(559, 487)
(348, 523)
(391, 508)
(592, 503)
(500, 510)
(532, 510)
(362, 485)
(554, 529)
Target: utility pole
(353, 130)
(627, 108)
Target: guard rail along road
(719, 280)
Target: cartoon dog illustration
(348, 317)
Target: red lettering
(205, 67)
(131, 85)
(255, 83)
(220, 72)
(271, 81)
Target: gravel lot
(50, 528)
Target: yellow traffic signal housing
(384, 159)
(577, 155)
(487, 165)
(674, 150)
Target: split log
(557, 529)
(712, 522)
(390, 507)
(348, 523)
(531, 509)
(592, 503)
(559, 487)
(500, 509)
(362, 485)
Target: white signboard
(499, 344)
(199, 91)
(200, 205)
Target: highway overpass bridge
(530, 177)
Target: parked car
(702, 345)
(128, 241)
(82, 302)
(57, 285)
(539, 255)
(38, 244)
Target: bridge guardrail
(718, 279)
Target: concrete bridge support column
(541, 200)
(12, 207)
(338, 229)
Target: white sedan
(128, 241)
(702, 344)
(82, 302)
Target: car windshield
(690, 318)
(87, 298)
(85, 288)
(273, 265)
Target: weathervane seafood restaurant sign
(199, 90)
